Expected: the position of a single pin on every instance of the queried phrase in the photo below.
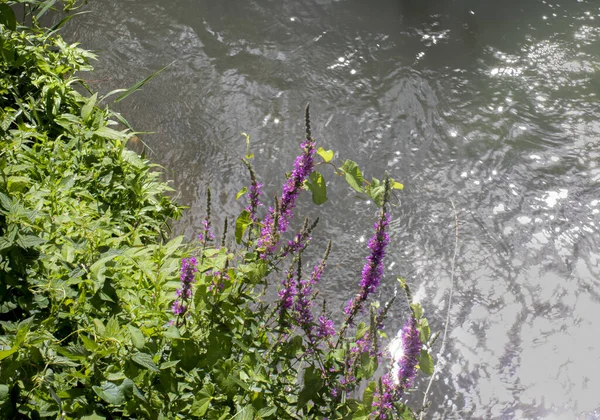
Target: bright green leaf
(86, 110)
(241, 224)
(426, 363)
(318, 188)
(145, 360)
(353, 174)
(110, 393)
(241, 193)
(327, 155)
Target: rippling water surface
(490, 104)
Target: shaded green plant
(99, 318)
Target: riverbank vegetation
(103, 316)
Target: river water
(490, 105)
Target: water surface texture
(490, 104)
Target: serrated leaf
(145, 360)
(241, 224)
(327, 155)
(137, 337)
(426, 364)
(110, 393)
(318, 188)
(353, 175)
(241, 193)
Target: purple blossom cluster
(254, 198)
(206, 234)
(187, 278)
(288, 291)
(326, 328)
(373, 269)
(304, 301)
(278, 222)
(404, 351)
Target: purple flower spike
(288, 291)
(187, 278)
(326, 328)
(404, 350)
(255, 192)
(303, 167)
(373, 269)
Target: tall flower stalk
(404, 351)
(372, 272)
(184, 292)
(303, 166)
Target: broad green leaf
(241, 193)
(145, 360)
(110, 393)
(93, 416)
(368, 365)
(267, 411)
(426, 363)
(241, 224)
(318, 188)
(5, 353)
(327, 155)
(246, 413)
(86, 110)
(200, 405)
(169, 364)
(137, 337)
(3, 392)
(17, 183)
(7, 17)
(312, 384)
(109, 133)
(369, 393)
(353, 174)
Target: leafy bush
(100, 319)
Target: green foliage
(87, 275)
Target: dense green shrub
(100, 319)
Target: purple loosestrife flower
(255, 192)
(325, 328)
(404, 351)
(206, 234)
(373, 269)
(278, 222)
(187, 278)
(288, 291)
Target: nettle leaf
(318, 188)
(353, 174)
(426, 363)
(110, 393)
(241, 224)
(145, 360)
(327, 155)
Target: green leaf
(241, 224)
(139, 84)
(17, 183)
(426, 363)
(424, 330)
(417, 310)
(5, 353)
(327, 155)
(318, 188)
(246, 413)
(241, 193)
(200, 405)
(312, 385)
(109, 133)
(86, 110)
(145, 360)
(7, 17)
(110, 393)
(368, 365)
(353, 174)
(93, 416)
(267, 411)
(169, 364)
(397, 185)
(137, 337)
(369, 393)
